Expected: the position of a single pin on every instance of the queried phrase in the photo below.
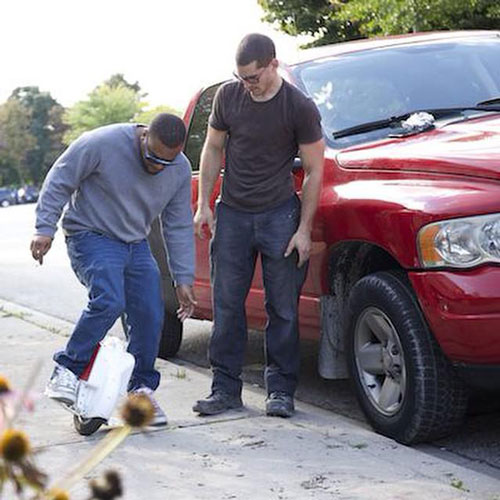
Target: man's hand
(187, 301)
(40, 245)
(202, 217)
(300, 241)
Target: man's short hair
(255, 47)
(169, 129)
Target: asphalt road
(53, 289)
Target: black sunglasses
(153, 158)
(252, 79)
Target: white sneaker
(62, 385)
(159, 418)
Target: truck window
(198, 126)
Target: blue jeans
(119, 277)
(238, 238)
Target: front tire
(405, 386)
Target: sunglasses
(153, 158)
(252, 79)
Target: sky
(171, 47)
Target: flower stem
(97, 455)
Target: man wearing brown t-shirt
(260, 122)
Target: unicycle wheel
(87, 426)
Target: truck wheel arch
(348, 262)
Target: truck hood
(470, 147)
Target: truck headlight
(461, 243)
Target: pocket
(77, 236)
(280, 226)
(289, 216)
(82, 235)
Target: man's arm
(312, 162)
(177, 224)
(74, 165)
(210, 167)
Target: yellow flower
(14, 445)
(108, 487)
(4, 385)
(57, 494)
(138, 411)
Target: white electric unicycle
(101, 385)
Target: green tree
(15, 142)
(318, 18)
(388, 17)
(147, 115)
(105, 104)
(333, 21)
(118, 79)
(46, 126)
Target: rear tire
(171, 336)
(87, 426)
(406, 387)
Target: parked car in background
(402, 291)
(27, 194)
(7, 196)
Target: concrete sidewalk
(241, 455)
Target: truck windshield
(377, 84)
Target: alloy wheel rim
(380, 361)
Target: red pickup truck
(403, 289)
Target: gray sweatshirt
(106, 188)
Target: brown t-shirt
(263, 139)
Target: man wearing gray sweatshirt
(114, 181)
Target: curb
(53, 324)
